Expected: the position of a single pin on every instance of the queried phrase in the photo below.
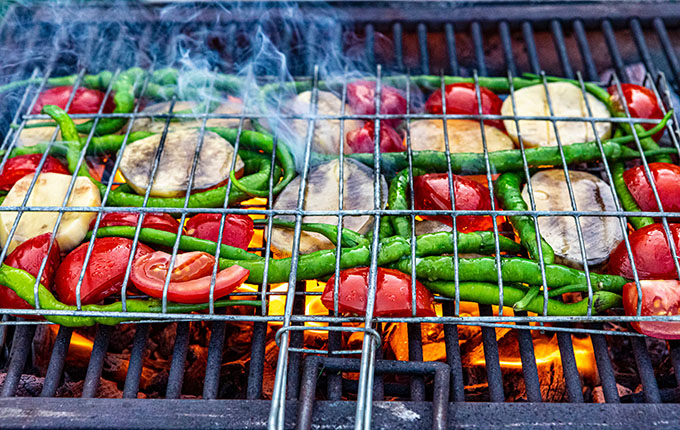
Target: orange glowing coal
(79, 348)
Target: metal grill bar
(136, 365)
(96, 364)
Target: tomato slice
(190, 277)
(22, 165)
(29, 256)
(105, 270)
(361, 98)
(666, 180)
(652, 254)
(362, 139)
(392, 295)
(238, 229)
(84, 101)
(461, 99)
(658, 298)
(158, 221)
(432, 193)
(641, 103)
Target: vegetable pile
(88, 260)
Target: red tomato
(432, 193)
(84, 101)
(461, 99)
(658, 298)
(105, 270)
(392, 295)
(29, 256)
(238, 229)
(362, 140)
(666, 180)
(641, 103)
(22, 165)
(158, 221)
(361, 98)
(190, 277)
(652, 254)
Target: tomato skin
(190, 277)
(22, 165)
(29, 256)
(653, 258)
(362, 140)
(432, 193)
(641, 103)
(361, 98)
(105, 270)
(658, 298)
(461, 99)
(392, 296)
(158, 221)
(666, 180)
(238, 229)
(84, 101)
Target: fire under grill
(290, 363)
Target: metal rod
(96, 364)
(136, 363)
(21, 346)
(55, 369)
(179, 359)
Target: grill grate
(423, 42)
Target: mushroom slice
(567, 101)
(172, 176)
(464, 136)
(600, 234)
(321, 194)
(50, 190)
(231, 106)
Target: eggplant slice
(232, 106)
(322, 194)
(172, 176)
(567, 101)
(600, 234)
(464, 136)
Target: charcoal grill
(578, 40)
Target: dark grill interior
(583, 40)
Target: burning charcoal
(598, 394)
(29, 385)
(106, 390)
(194, 374)
(121, 338)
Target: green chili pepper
(108, 144)
(329, 231)
(385, 230)
(626, 198)
(530, 295)
(507, 189)
(397, 200)
(265, 143)
(165, 238)
(22, 283)
(488, 294)
(484, 269)
(508, 160)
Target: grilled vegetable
(49, 190)
(507, 190)
(666, 180)
(626, 198)
(18, 167)
(659, 298)
(432, 193)
(392, 294)
(174, 169)
(22, 283)
(29, 257)
(489, 294)
(322, 194)
(363, 139)
(326, 138)
(190, 277)
(600, 234)
(651, 252)
(463, 136)
(232, 106)
(361, 97)
(566, 100)
(105, 270)
(641, 103)
(237, 230)
(158, 221)
(84, 100)
(461, 99)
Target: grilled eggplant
(600, 234)
(232, 106)
(322, 194)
